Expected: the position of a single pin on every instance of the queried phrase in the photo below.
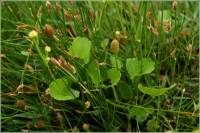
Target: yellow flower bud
(87, 104)
(48, 59)
(47, 49)
(117, 34)
(33, 34)
(86, 126)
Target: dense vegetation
(99, 66)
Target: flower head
(87, 104)
(86, 126)
(49, 30)
(47, 49)
(58, 7)
(33, 34)
(49, 6)
(117, 34)
(114, 46)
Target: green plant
(99, 66)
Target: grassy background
(176, 62)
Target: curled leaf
(154, 91)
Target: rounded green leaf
(139, 113)
(125, 91)
(94, 72)
(81, 48)
(114, 74)
(133, 67)
(136, 67)
(60, 90)
(153, 125)
(147, 66)
(104, 43)
(153, 91)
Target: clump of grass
(85, 66)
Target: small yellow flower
(47, 92)
(117, 34)
(33, 34)
(47, 49)
(87, 104)
(48, 59)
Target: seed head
(149, 15)
(49, 30)
(75, 129)
(174, 52)
(124, 38)
(39, 124)
(155, 31)
(167, 26)
(20, 103)
(78, 17)
(49, 6)
(66, 65)
(188, 48)
(67, 15)
(29, 67)
(85, 126)
(134, 8)
(85, 29)
(54, 61)
(91, 15)
(114, 46)
(156, 23)
(71, 2)
(174, 4)
(59, 117)
(58, 7)
(184, 34)
(70, 67)
(26, 108)
(62, 61)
